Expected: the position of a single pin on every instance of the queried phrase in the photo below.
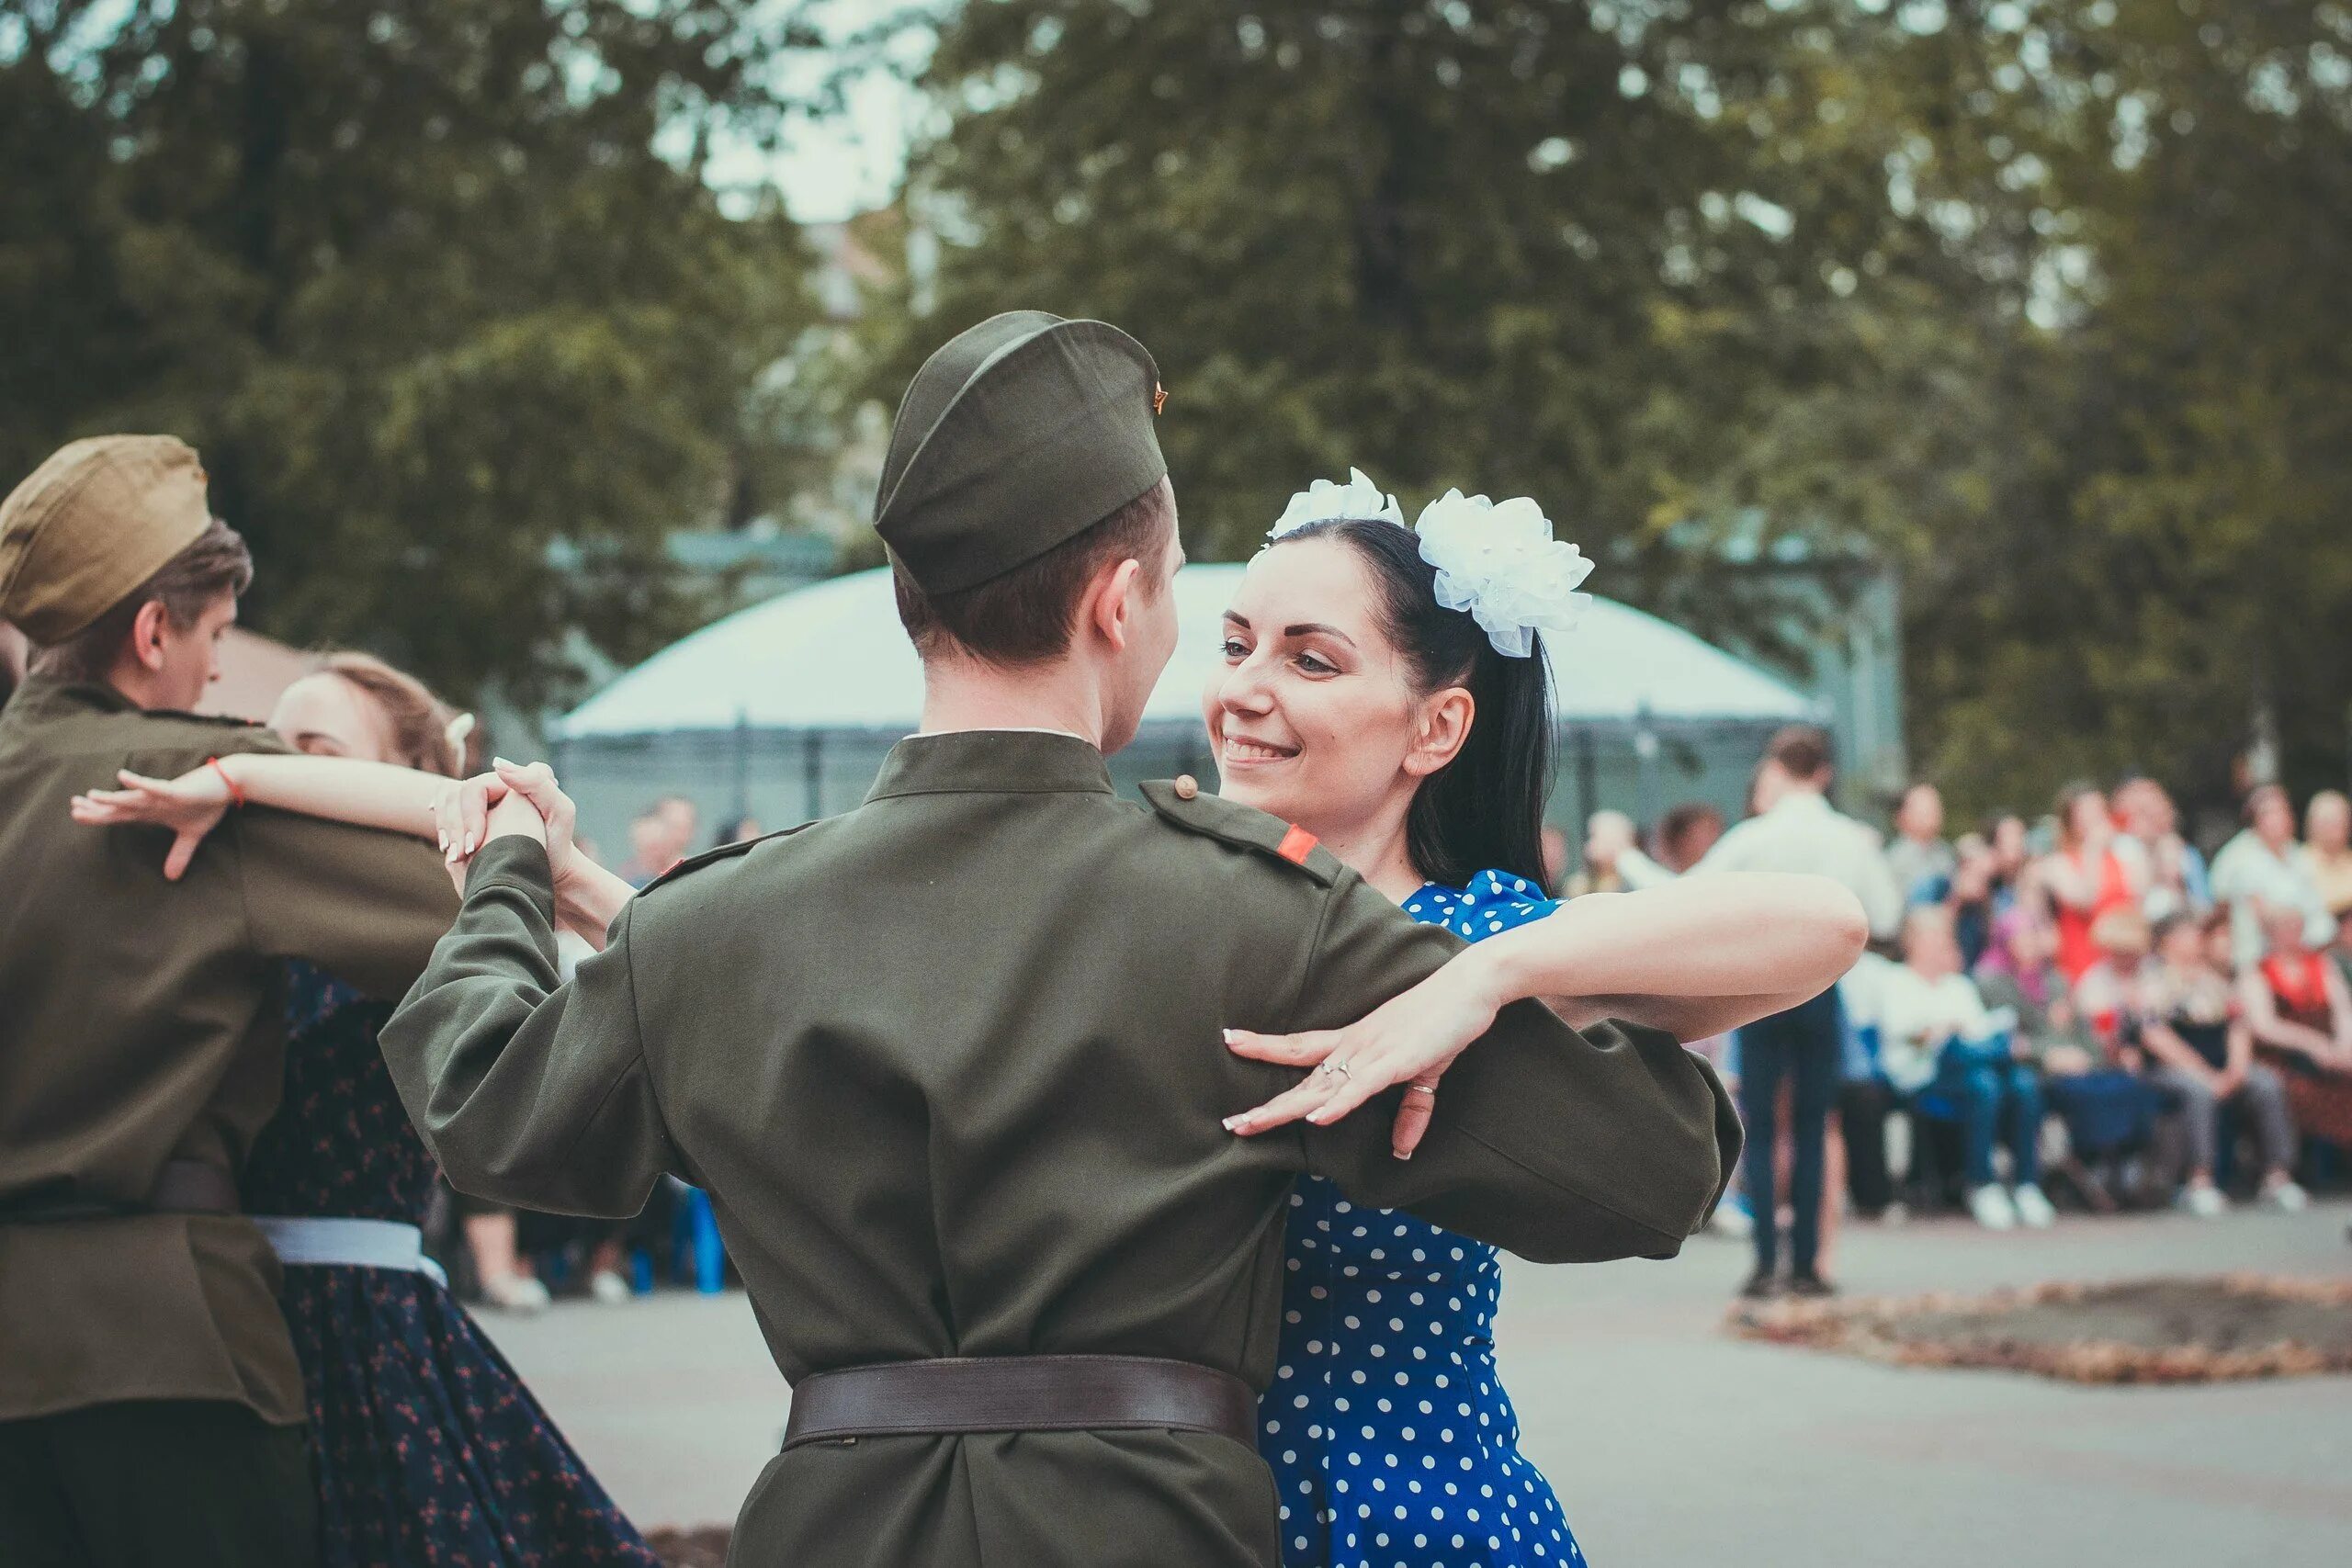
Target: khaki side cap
(84, 529)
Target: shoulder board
(213, 720)
(711, 857)
(1214, 816)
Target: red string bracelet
(236, 795)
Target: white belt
(355, 1244)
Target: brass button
(1187, 786)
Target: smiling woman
(1346, 681)
(1386, 689)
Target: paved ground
(1672, 1443)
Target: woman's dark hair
(1484, 809)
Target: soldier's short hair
(217, 563)
(1025, 616)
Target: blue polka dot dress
(1392, 1442)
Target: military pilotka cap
(1019, 434)
(99, 518)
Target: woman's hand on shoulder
(191, 806)
(1410, 1039)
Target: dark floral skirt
(429, 1449)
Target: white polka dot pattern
(1392, 1442)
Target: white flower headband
(1499, 564)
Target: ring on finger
(1342, 1069)
(1421, 1088)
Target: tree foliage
(438, 287)
(2040, 297)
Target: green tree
(438, 287)
(2169, 574)
(2039, 298)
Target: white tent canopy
(832, 657)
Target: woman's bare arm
(1693, 958)
(2270, 1028)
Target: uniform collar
(993, 761)
(48, 696)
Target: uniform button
(1187, 786)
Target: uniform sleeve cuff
(514, 860)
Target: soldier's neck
(958, 696)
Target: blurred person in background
(1970, 895)
(2262, 867)
(1936, 1038)
(2108, 1110)
(2328, 842)
(736, 830)
(653, 846)
(1555, 845)
(2199, 1050)
(2085, 877)
(2300, 1011)
(1796, 828)
(2014, 882)
(1686, 833)
(1865, 1101)
(685, 820)
(1613, 861)
(1918, 856)
(2105, 994)
(425, 1448)
(2171, 872)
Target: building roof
(832, 657)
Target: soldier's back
(952, 1065)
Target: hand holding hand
(1410, 1039)
(535, 786)
(191, 806)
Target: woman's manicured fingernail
(1404, 1154)
(1319, 1115)
(1234, 1123)
(500, 762)
(469, 842)
(1231, 1035)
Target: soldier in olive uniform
(149, 1402)
(950, 1064)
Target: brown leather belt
(1019, 1394)
(184, 1187)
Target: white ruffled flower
(1502, 564)
(1323, 501)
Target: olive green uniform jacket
(140, 1024)
(951, 1068)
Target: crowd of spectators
(2086, 998)
(2084, 1006)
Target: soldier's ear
(1109, 608)
(147, 629)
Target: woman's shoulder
(1489, 902)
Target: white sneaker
(1991, 1208)
(515, 1293)
(2285, 1196)
(2033, 1208)
(2204, 1201)
(1732, 1221)
(610, 1288)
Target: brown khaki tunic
(140, 1024)
(951, 1067)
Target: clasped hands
(518, 800)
